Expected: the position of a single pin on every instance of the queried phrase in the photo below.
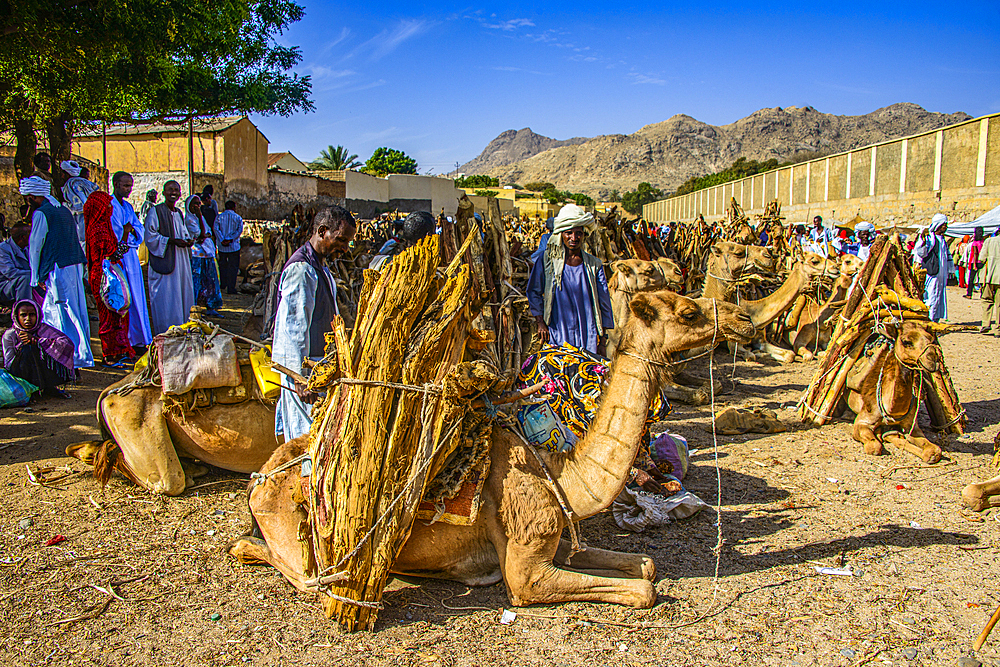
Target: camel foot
(250, 551)
(977, 496)
(84, 451)
(931, 454)
(193, 470)
(874, 448)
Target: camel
(808, 271)
(881, 391)
(808, 325)
(146, 441)
(516, 537)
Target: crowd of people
(90, 242)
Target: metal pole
(191, 156)
(104, 143)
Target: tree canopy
(477, 181)
(539, 186)
(335, 158)
(385, 161)
(145, 60)
(645, 193)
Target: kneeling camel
(516, 537)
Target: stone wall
(954, 170)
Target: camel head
(916, 347)
(817, 269)
(735, 259)
(665, 322)
(850, 265)
(636, 275)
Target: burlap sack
(196, 361)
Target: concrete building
(954, 170)
(286, 162)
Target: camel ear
(617, 267)
(642, 308)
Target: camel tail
(105, 459)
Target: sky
(439, 81)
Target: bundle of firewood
(886, 288)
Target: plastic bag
(114, 288)
(636, 510)
(671, 448)
(14, 392)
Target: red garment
(102, 244)
(961, 276)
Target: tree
(335, 159)
(581, 199)
(485, 193)
(477, 181)
(62, 63)
(539, 186)
(614, 196)
(644, 194)
(553, 195)
(385, 161)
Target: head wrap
(864, 227)
(938, 221)
(70, 167)
(52, 342)
(571, 216)
(36, 186)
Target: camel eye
(690, 315)
(907, 343)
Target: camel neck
(595, 471)
(766, 310)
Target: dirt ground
(146, 580)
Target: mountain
(668, 153)
(513, 146)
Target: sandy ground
(149, 582)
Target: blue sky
(439, 81)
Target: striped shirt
(228, 227)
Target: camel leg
(606, 563)
(532, 578)
(688, 395)
(914, 442)
(977, 496)
(139, 428)
(778, 353)
(865, 434)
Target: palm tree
(336, 159)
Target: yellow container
(268, 381)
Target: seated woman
(37, 352)
(567, 290)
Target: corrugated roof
(200, 126)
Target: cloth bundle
(115, 292)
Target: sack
(190, 359)
(636, 510)
(932, 265)
(543, 429)
(114, 288)
(671, 448)
(14, 392)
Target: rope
(426, 389)
(261, 477)
(718, 472)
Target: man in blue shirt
(228, 229)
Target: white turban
(864, 227)
(571, 216)
(938, 221)
(35, 185)
(70, 167)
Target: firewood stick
(986, 631)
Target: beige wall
(366, 187)
(245, 159)
(955, 170)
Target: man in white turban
(931, 249)
(567, 289)
(75, 192)
(864, 232)
(57, 267)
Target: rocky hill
(513, 146)
(668, 153)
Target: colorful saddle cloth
(574, 381)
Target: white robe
(172, 295)
(139, 332)
(65, 303)
(291, 343)
(934, 286)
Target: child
(37, 352)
